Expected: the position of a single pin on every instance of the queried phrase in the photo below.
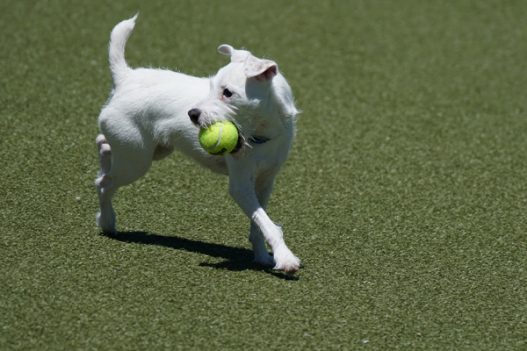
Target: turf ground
(405, 194)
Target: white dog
(151, 112)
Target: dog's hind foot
(106, 216)
(106, 222)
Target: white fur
(146, 118)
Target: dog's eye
(227, 93)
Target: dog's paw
(264, 259)
(106, 223)
(286, 261)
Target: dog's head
(249, 91)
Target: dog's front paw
(286, 261)
(264, 259)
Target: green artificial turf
(405, 194)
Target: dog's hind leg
(105, 189)
(121, 164)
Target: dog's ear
(260, 69)
(263, 70)
(236, 55)
(225, 49)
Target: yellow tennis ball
(219, 138)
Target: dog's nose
(194, 115)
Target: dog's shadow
(236, 258)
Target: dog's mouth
(239, 144)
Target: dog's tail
(120, 34)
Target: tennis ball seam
(219, 136)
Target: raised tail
(120, 34)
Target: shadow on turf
(237, 259)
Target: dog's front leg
(263, 187)
(242, 187)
